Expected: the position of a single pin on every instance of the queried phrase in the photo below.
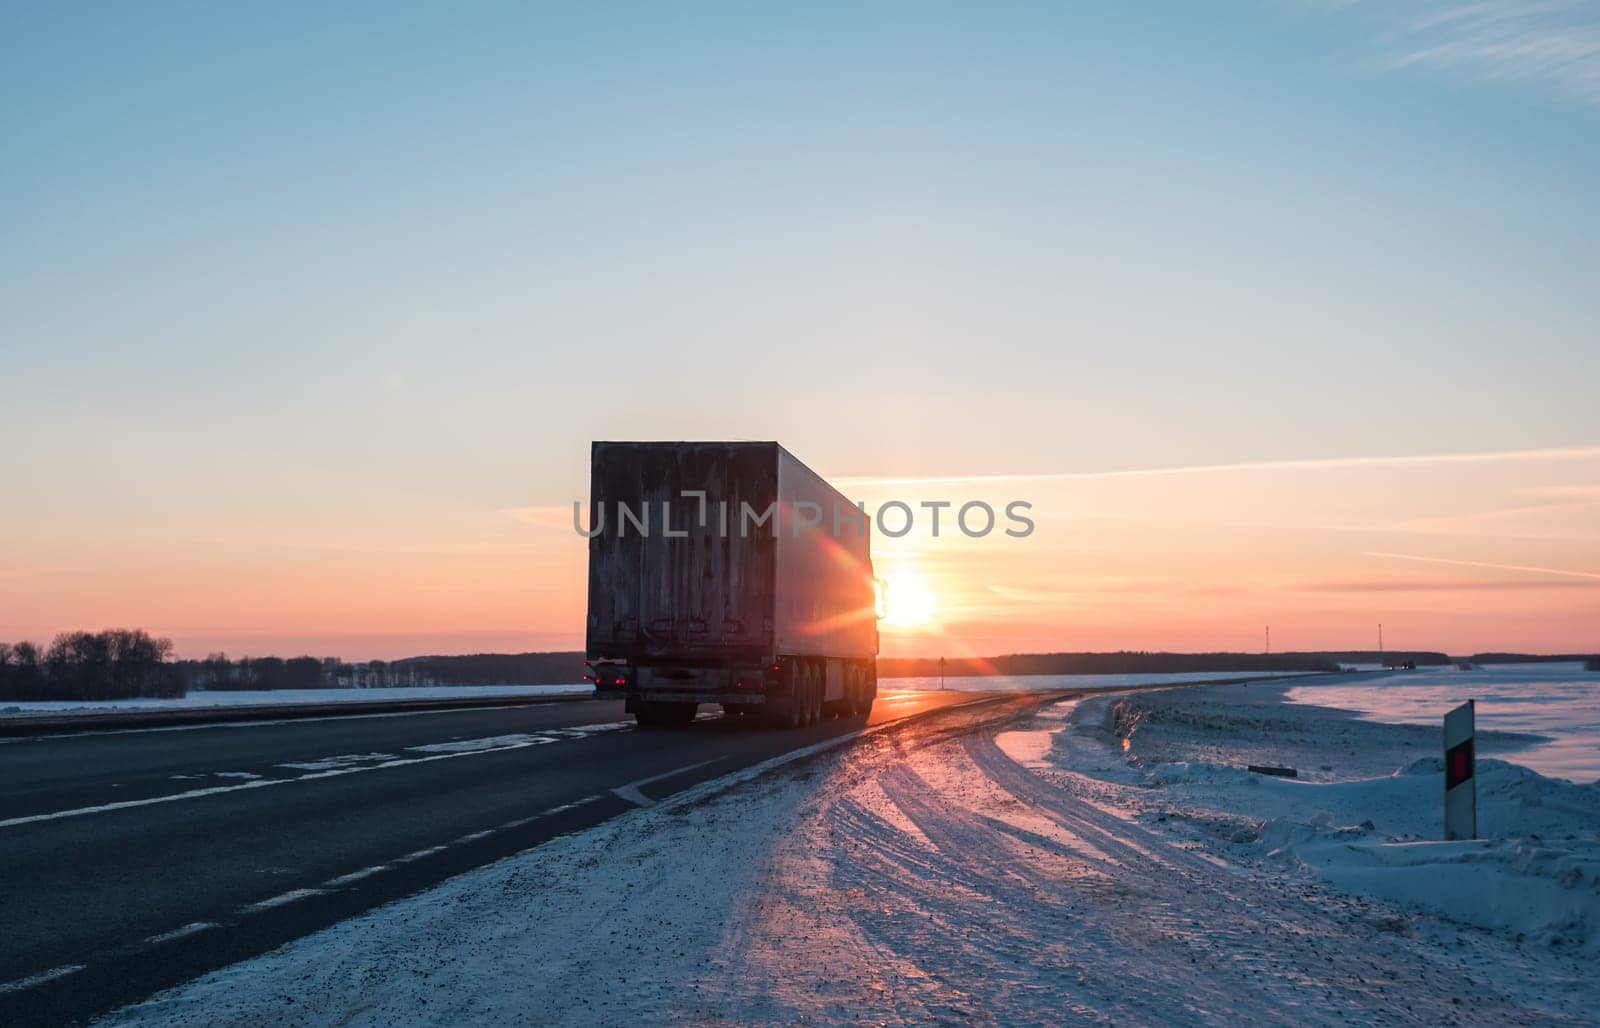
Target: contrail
(1315, 463)
(1484, 564)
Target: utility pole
(941, 674)
(1380, 642)
(1268, 650)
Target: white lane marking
(280, 900)
(193, 928)
(341, 760)
(519, 822)
(473, 837)
(631, 793)
(261, 783)
(493, 742)
(355, 876)
(23, 984)
(419, 854)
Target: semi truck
(727, 574)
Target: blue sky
(257, 259)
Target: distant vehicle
(727, 573)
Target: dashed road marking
(355, 876)
(420, 854)
(193, 928)
(33, 980)
(266, 783)
(281, 900)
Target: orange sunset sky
(1278, 314)
(1489, 550)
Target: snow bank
(1534, 874)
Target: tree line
(115, 664)
(218, 672)
(123, 664)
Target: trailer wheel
(846, 707)
(800, 708)
(865, 692)
(802, 697)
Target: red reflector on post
(1458, 766)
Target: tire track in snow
(1288, 938)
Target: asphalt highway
(133, 860)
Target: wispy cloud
(543, 517)
(1439, 585)
(1550, 41)
(1319, 463)
(1566, 573)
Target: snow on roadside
(263, 697)
(1367, 815)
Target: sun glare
(908, 601)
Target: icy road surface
(1057, 869)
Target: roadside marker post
(1460, 779)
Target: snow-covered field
(1102, 861)
(1560, 703)
(262, 697)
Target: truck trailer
(727, 573)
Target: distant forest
(1531, 658)
(115, 664)
(218, 672)
(121, 664)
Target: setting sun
(908, 601)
